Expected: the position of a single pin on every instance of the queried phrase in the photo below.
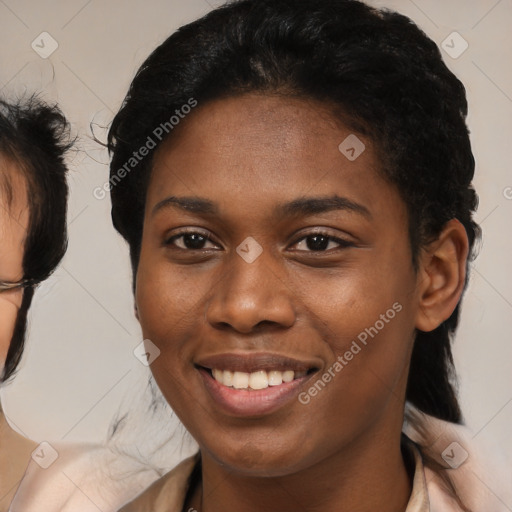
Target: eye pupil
(320, 242)
(193, 240)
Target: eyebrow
(300, 206)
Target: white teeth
(255, 380)
(240, 380)
(288, 375)
(258, 380)
(227, 378)
(275, 378)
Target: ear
(442, 276)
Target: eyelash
(343, 244)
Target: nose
(251, 295)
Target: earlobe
(442, 276)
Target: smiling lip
(245, 402)
(254, 362)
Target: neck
(15, 453)
(368, 475)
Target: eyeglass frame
(6, 286)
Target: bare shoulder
(78, 478)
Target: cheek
(366, 320)
(8, 313)
(167, 300)
(347, 302)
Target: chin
(254, 461)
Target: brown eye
(192, 241)
(319, 242)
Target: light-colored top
(168, 493)
(65, 477)
(482, 481)
(88, 478)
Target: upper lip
(251, 362)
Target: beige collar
(168, 493)
(418, 502)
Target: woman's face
(292, 261)
(14, 217)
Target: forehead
(241, 124)
(267, 138)
(258, 150)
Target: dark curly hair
(35, 136)
(381, 75)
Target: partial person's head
(265, 103)
(33, 198)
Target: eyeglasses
(23, 283)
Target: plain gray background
(79, 361)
